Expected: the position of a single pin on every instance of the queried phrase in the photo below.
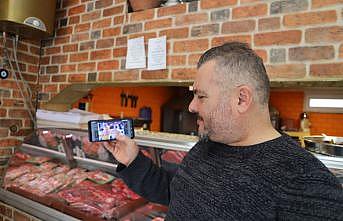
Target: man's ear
(245, 97)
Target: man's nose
(192, 106)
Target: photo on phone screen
(106, 130)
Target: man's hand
(124, 149)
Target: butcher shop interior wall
(299, 40)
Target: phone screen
(105, 130)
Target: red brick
(3, 133)
(158, 23)
(59, 78)
(341, 51)
(44, 78)
(191, 45)
(113, 11)
(22, 47)
(10, 122)
(52, 69)
(310, 18)
(34, 50)
(238, 26)
(224, 39)
(269, 23)
(175, 33)
(50, 88)
(262, 54)
(64, 31)
(53, 50)
(82, 27)
(322, 3)
(86, 45)
(59, 59)
(118, 20)
(184, 73)
(119, 52)
(311, 53)
(80, 37)
(3, 112)
(108, 65)
(78, 57)
(102, 23)
(111, 32)
(103, 3)
(176, 60)
(31, 78)
(129, 75)
(76, 10)
(121, 41)
(172, 10)
(11, 103)
(278, 38)
(86, 66)
(157, 74)
(289, 71)
(32, 69)
(105, 76)
(205, 4)
(91, 16)
(191, 19)
(77, 78)
(250, 11)
(70, 48)
(27, 58)
(20, 216)
(105, 43)
(327, 70)
(68, 68)
(74, 20)
(45, 60)
(142, 15)
(10, 142)
(101, 54)
(324, 34)
(16, 113)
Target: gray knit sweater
(274, 180)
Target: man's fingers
(109, 145)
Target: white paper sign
(157, 57)
(135, 56)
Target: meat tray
(61, 206)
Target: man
(242, 168)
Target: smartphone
(106, 130)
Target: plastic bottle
(304, 122)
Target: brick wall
(298, 39)
(8, 213)
(13, 112)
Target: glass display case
(57, 174)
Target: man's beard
(203, 136)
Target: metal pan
(328, 145)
